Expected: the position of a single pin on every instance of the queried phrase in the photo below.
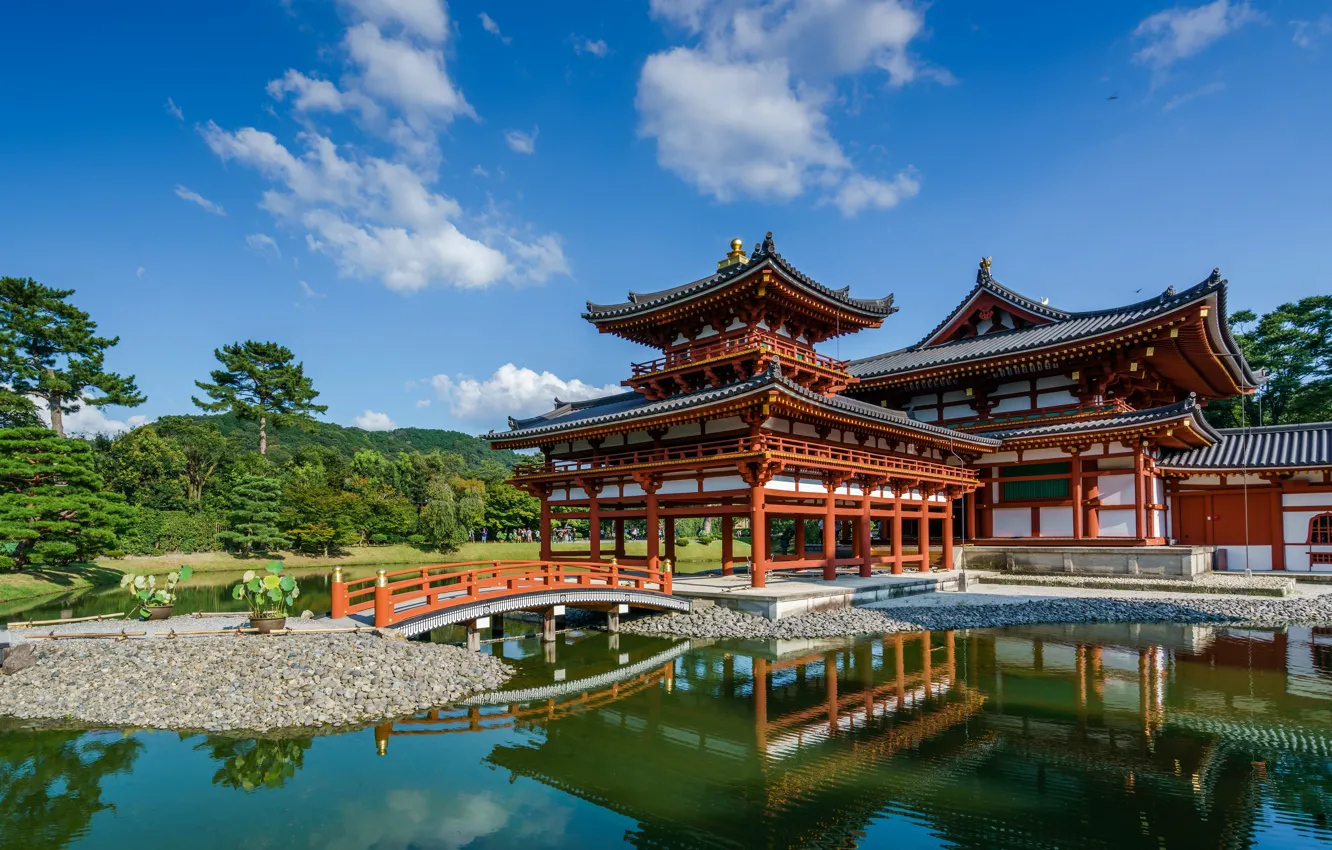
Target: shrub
(146, 593)
(270, 595)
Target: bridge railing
(407, 593)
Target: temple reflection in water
(1127, 736)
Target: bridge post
(548, 625)
(382, 732)
(613, 620)
(383, 600)
(473, 636)
(340, 603)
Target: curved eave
(869, 312)
(1181, 424)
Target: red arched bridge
(419, 599)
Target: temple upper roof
(736, 274)
(1052, 328)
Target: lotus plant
(147, 594)
(270, 595)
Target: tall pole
(830, 533)
(728, 544)
(758, 532)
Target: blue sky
(417, 197)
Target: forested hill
(283, 442)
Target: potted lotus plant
(150, 601)
(269, 596)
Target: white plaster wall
(1057, 522)
(1260, 557)
(1114, 463)
(636, 437)
(1050, 381)
(1115, 523)
(730, 423)
(1158, 492)
(577, 493)
(1015, 403)
(735, 323)
(809, 485)
(782, 426)
(804, 429)
(1241, 480)
(1313, 500)
(560, 449)
(708, 330)
(725, 482)
(997, 457)
(926, 415)
(781, 482)
(1202, 479)
(679, 485)
(1295, 525)
(1055, 398)
(955, 395)
(1044, 454)
(1116, 489)
(1117, 447)
(1157, 523)
(1013, 387)
(633, 489)
(928, 398)
(689, 429)
(612, 441)
(958, 411)
(1297, 558)
(1012, 522)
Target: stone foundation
(1175, 561)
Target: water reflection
(1125, 736)
(251, 765)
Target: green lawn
(32, 584)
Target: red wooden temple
(1011, 422)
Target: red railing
(443, 586)
(767, 444)
(752, 340)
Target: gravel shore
(718, 622)
(253, 683)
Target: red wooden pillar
(830, 685)
(758, 533)
(947, 563)
(593, 525)
(863, 533)
(1278, 527)
(926, 671)
(619, 538)
(761, 703)
(970, 531)
(1139, 493)
(1093, 493)
(898, 493)
(728, 545)
(830, 534)
(799, 543)
(669, 533)
(545, 526)
(923, 531)
(653, 553)
(1075, 488)
(985, 493)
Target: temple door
(1193, 520)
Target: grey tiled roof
(1069, 327)
(1269, 447)
(630, 406)
(989, 284)
(642, 302)
(1187, 407)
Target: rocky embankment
(252, 683)
(717, 622)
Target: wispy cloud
(1182, 32)
(1181, 99)
(488, 24)
(520, 142)
(263, 244)
(596, 48)
(139, 272)
(1309, 33)
(173, 109)
(309, 291)
(196, 198)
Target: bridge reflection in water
(1123, 736)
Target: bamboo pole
(87, 635)
(31, 623)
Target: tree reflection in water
(51, 783)
(248, 765)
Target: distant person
(483, 535)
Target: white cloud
(480, 172)
(1180, 32)
(511, 390)
(381, 216)
(520, 142)
(596, 48)
(488, 24)
(422, 402)
(139, 272)
(263, 244)
(374, 421)
(859, 192)
(1309, 33)
(426, 19)
(196, 198)
(776, 64)
(89, 421)
(1181, 99)
(174, 110)
(308, 291)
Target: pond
(1089, 736)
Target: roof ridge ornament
(736, 257)
(1216, 275)
(983, 273)
(769, 247)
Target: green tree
(144, 468)
(17, 411)
(439, 518)
(53, 509)
(260, 381)
(202, 451)
(49, 350)
(1293, 344)
(252, 521)
(508, 508)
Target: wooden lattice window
(1320, 558)
(1320, 530)
(1040, 488)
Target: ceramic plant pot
(268, 624)
(158, 612)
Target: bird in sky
(1113, 97)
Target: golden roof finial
(736, 257)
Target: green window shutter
(1047, 488)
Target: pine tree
(49, 350)
(52, 507)
(252, 521)
(259, 381)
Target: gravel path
(185, 623)
(251, 683)
(962, 611)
